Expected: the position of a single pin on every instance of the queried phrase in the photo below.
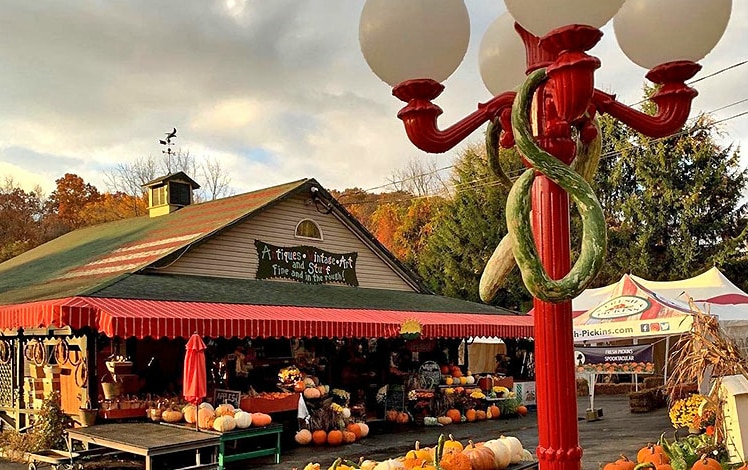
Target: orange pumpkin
(444, 369)
(355, 429)
(522, 410)
(299, 386)
(480, 415)
(494, 411)
(706, 463)
(456, 371)
(455, 461)
(261, 419)
(621, 464)
(402, 417)
(470, 415)
(648, 450)
(348, 437)
(319, 437)
(190, 413)
(452, 444)
(481, 457)
(205, 418)
(335, 437)
(303, 437)
(454, 413)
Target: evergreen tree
(470, 225)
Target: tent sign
(615, 359)
(622, 306)
(306, 264)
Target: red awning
(155, 318)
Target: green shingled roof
(72, 264)
(258, 292)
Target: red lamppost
(414, 45)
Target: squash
(355, 429)
(621, 464)
(225, 409)
(190, 413)
(481, 457)
(172, 416)
(452, 444)
(444, 420)
(319, 437)
(303, 437)
(454, 460)
(243, 419)
(335, 437)
(224, 423)
(205, 417)
(389, 464)
(501, 451)
(364, 429)
(515, 447)
(706, 463)
(261, 419)
(454, 414)
(494, 412)
(312, 393)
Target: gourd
(481, 457)
(225, 409)
(706, 463)
(205, 418)
(364, 429)
(389, 464)
(243, 419)
(515, 447)
(444, 420)
(312, 393)
(319, 437)
(224, 423)
(335, 437)
(303, 437)
(261, 419)
(355, 429)
(452, 444)
(190, 413)
(454, 414)
(501, 451)
(621, 464)
(430, 421)
(172, 416)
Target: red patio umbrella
(195, 381)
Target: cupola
(169, 193)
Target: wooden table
(149, 440)
(240, 434)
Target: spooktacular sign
(306, 264)
(615, 359)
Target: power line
(713, 74)
(488, 182)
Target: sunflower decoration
(289, 375)
(411, 329)
(687, 412)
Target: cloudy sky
(274, 90)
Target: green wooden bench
(249, 433)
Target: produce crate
(264, 405)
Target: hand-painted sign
(615, 359)
(306, 264)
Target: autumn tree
(113, 206)
(67, 201)
(20, 216)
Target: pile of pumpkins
(448, 454)
(222, 418)
(654, 456)
(352, 433)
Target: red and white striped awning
(157, 318)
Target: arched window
(308, 228)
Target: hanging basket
(88, 416)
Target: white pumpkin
(364, 429)
(224, 423)
(527, 456)
(346, 412)
(368, 465)
(243, 419)
(515, 446)
(469, 380)
(502, 454)
(390, 464)
(206, 405)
